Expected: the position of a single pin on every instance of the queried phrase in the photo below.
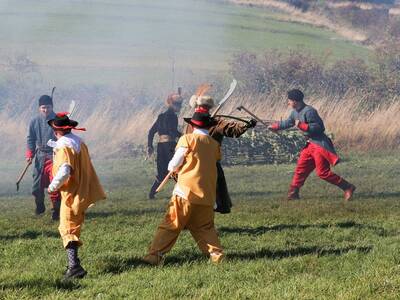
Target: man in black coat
(166, 126)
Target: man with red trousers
(318, 154)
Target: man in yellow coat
(76, 179)
(192, 203)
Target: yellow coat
(197, 177)
(83, 187)
(80, 191)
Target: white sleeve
(61, 177)
(177, 160)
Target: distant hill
(140, 42)
(366, 21)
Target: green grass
(316, 248)
(135, 41)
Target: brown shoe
(216, 257)
(293, 193)
(154, 260)
(348, 193)
(348, 189)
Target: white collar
(200, 131)
(69, 140)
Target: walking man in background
(193, 198)
(39, 133)
(166, 126)
(76, 179)
(318, 154)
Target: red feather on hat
(62, 114)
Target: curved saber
(226, 97)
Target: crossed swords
(220, 104)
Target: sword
(240, 108)
(23, 173)
(165, 180)
(226, 97)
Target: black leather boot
(40, 208)
(55, 210)
(75, 272)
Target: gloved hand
(274, 126)
(252, 123)
(302, 126)
(29, 154)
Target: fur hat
(174, 99)
(296, 95)
(45, 100)
(201, 101)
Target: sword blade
(230, 92)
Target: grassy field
(316, 248)
(136, 42)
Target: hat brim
(198, 124)
(72, 124)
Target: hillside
(114, 42)
(366, 21)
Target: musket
(23, 173)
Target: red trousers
(47, 177)
(314, 157)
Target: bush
(275, 70)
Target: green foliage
(260, 146)
(315, 248)
(277, 70)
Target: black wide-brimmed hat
(200, 120)
(62, 122)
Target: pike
(220, 104)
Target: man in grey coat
(318, 154)
(38, 152)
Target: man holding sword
(41, 155)
(318, 154)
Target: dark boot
(153, 192)
(40, 208)
(348, 189)
(75, 272)
(293, 193)
(55, 211)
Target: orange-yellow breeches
(181, 214)
(70, 224)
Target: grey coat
(316, 130)
(39, 133)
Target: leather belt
(165, 138)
